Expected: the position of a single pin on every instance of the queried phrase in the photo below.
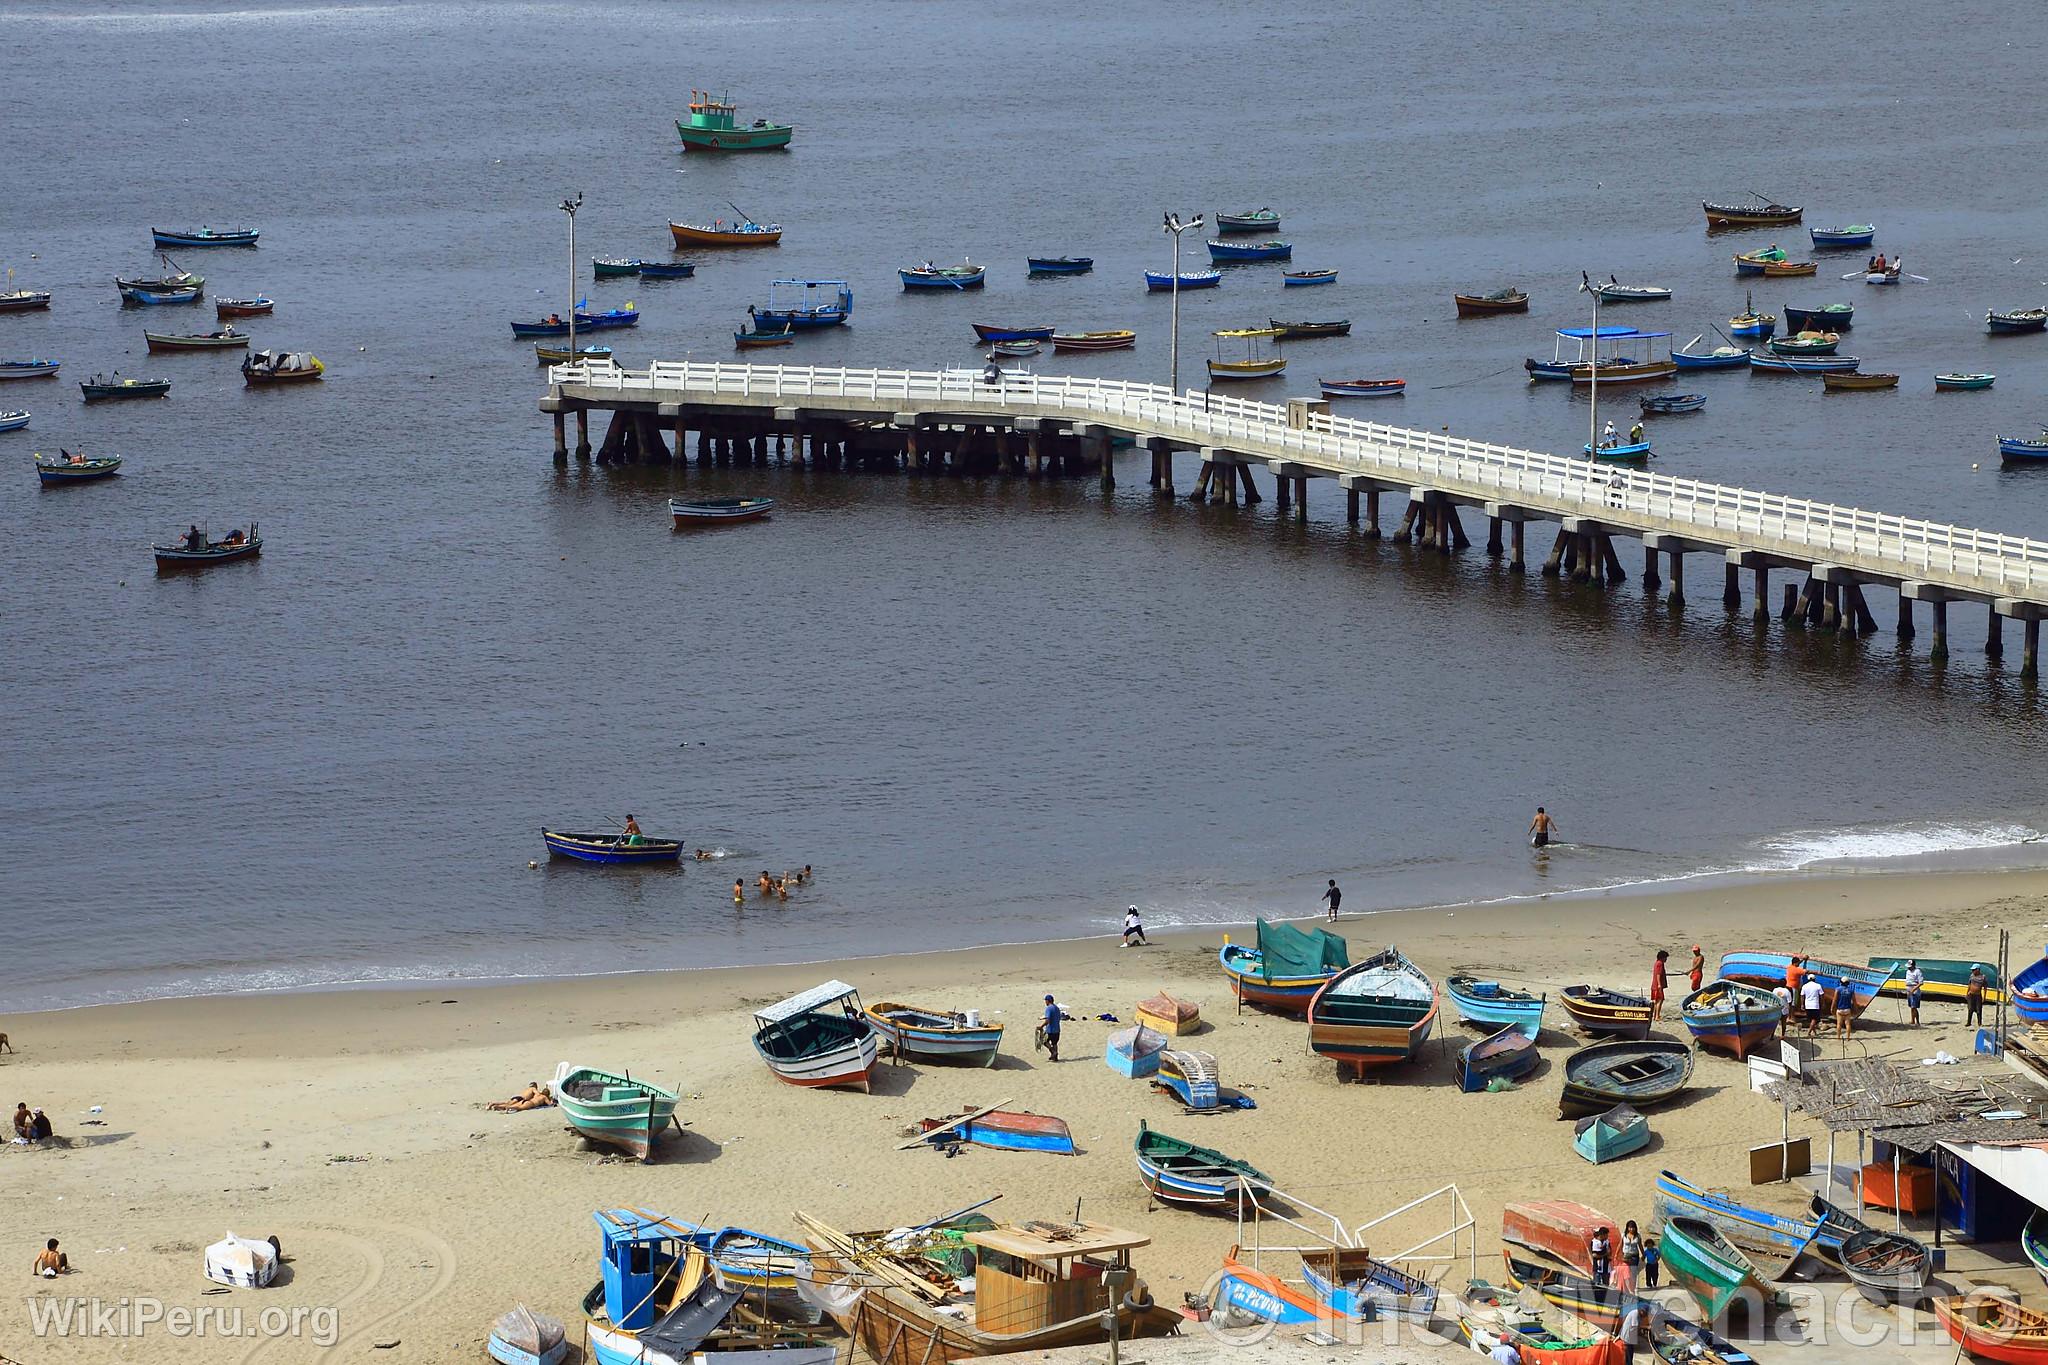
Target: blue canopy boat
(1509, 1054)
(1489, 1002)
(206, 236)
(930, 276)
(1274, 250)
(610, 848)
(1061, 265)
(803, 305)
(1160, 281)
(1587, 347)
(2019, 450)
(667, 270)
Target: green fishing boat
(612, 1110)
(713, 127)
(1948, 978)
(1710, 1267)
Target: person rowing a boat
(631, 836)
(195, 539)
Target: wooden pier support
(1905, 617)
(1372, 514)
(1459, 540)
(1252, 496)
(1409, 516)
(1493, 545)
(1553, 564)
(1104, 452)
(1831, 607)
(1761, 611)
(1351, 506)
(1789, 613)
(561, 438)
(1582, 557)
(1650, 579)
(1515, 563)
(1676, 597)
(2030, 647)
(1938, 653)
(583, 433)
(1994, 636)
(1301, 497)
(1615, 573)
(1858, 610)
(1283, 492)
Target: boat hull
(771, 138)
(1709, 362)
(1609, 1136)
(1819, 319)
(1265, 251)
(1993, 1328)
(1947, 978)
(1509, 1054)
(1771, 1234)
(1363, 388)
(1638, 1074)
(1737, 215)
(1282, 995)
(989, 332)
(1094, 341)
(1487, 1002)
(1963, 382)
(1707, 1267)
(1732, 1018)
(185, 240)
(170, 560)
(629, 1115)
(1060, 265)
(1349, 1285)
(1363, 1029)
(1610, 1014)
(1559, 1228)
(915, 280)
(159, 341)
(60, 474)
(1161, 282)
(1474, 306)
(1768, 969)
(933, 1036)
(1231, 370)
(693, 516)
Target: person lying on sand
(535, 1096)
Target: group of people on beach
(31, 1126)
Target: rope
(1460, 383)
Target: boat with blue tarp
(1585, 346)
(803, 305)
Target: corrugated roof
(805, 1002)
(1910, 1108)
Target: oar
(1854, 273)
(740, 211)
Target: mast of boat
(1593, 422)
(569, 206)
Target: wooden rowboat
(1163, 281)
(206, 236)
(1885, 1267)
(1944, 978)
(226, 339)
(610, 847)
(1963, 381)
(1732, 1017)
(1009, 1130)
(1094, 341)
(1252, 220)
(703, 512)
(937, 1035)
(1507, 1055)
(989, 332)
(1674, 1339)
(819, 1037)
(264, 368)
(1362, 388)
(1296, 331)
(761, 337)
(1169, 1015)
(1492, 1004)
(562, 355)
(1768, 969)
(1376, 1013)
(1191, 1076)
(1762, 214)
(1273, 250)
(243, 308)
(1612, 1014)
(1295, 279)
(28, 369)
(1789, 269)
(1989, 1327)
(1616, 1133)
(1868, 379)
(1711, 1268)
(1509, 300)
(667, 270)
(1487, 1320)
(1351, 1284)
(1561, 1229)
(13, 419)
(2016, 320)
(614, 1110)
(1637, 1073)
(615, 267)
(1174, 1171)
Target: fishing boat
(1490, 1003)
(562, 355)
(1258, 361)
(1254, 220)
(70, 468)
(1596, 1009)
(1885, 1267)
(1508, 300)
(1778, 270)
(1992, 1327)
(1362, 388)
(1378, 1012)
(615, 267)
(761, 338)
(1763, 213)
(1286, 968)
(143, 297)
(610, 847)
(1561, 1229)
(1487, 1320)
(629, 316)
(202, 553)
(936, 1035)
(1273, 250)
(1611, 1134)
(173, 277)
(932, 276)
(714, 126)
(2034, 1244)
(1255, 1293)
(1635, 357)
(1178, 1172)
(2024, 450)
(28, 369)
(1869, 379)
(1060, 265)
(1349, 1283)
(803, 305)
(226, 339)
(1753, 262)
(819, 1037)
(1507, 1055)
(613, 1110)
(1637, 1072)
(1614, 448)
(13, 419)
(1720, 358)
(1094, 341)
(1958, 380)
(1616, 292)
(1750, 323)
(741, 232)
(1767, 969)
(1162, 281)
(24, 300)
(1710, 1267)
(1015, 349)
(1802, 364)
(1829, 317)
(2016, 320)
(1773, 1235)
(695, 513)
(1945, 978)
(1298, 331)
(990, 332)
(1037, 1286)
(667, 270)
(1666, 404)
(1885, 272)
(166, 238)
(1731, 1017)
(102, 386)
(524, 1337)
(1170, 1015)
(1587, 344)
(1805, 343)
(1193, 1077)
(1298, 279)
(262, 368)
(1840, 238)
(1133, 1052)
(1009, 1130)
(259, 306)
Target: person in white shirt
(1810, 993)
(1504, 1353)
(1915, 979)
(1784, 994)
(1134, 928)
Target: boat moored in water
(1162, 281)
(1760, 213)
(1274, 250)
(1362, 388)
(1259, 351)
(714, 126)
(719, 233)
(1252, 220)
(1506, 300)
(101, 387)
(804, 305)
(194, 550)
(70, 466)
(930, 275)
(206, 236)
(1119, 340)
(1060, 265)
(701, 512)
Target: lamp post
(569, 206)
(1173, 228)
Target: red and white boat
(1561, 1229)
(819, 1038)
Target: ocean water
(985, 711)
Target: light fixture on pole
(1173, 228)
(569, 206)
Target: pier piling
(561, 437)
(1553, 563)
(1789, 612)
(1731, 587)
(1651, 580)
(1939, 652)
(2030, 647)
(1515, 564)
(1351, 506)
(1994, 636)
(1905, 617)
(1493, 545)
(1372, 514)
(1676, 597)
(583, 433)
(1761, 609)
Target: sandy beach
(351, 1124)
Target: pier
(995, 423)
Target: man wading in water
(1541, 829)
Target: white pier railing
(1884, 546)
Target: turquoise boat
(1489, 1002)
(1948, 978)
(1610, 1135)
(613, 1110)
(1177, 1172)
(1704, 1263)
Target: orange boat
(1992, 1328)
(722, 233)
(1561, 1229)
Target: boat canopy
(1605, 333)
(1049, 1243)
(806, 1002)
(1287, 951)
(1248, 332)
(639, 1225)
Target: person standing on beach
(1599, 1253)
(1051, 1029)
(1698, 970)
(1795, 971)
(1334, 897)
(1784, 994)
(1810, 993)
(1845, 1009)
(1650, 1258)
(1659, 980)
(1134, 929)
(1973, 995)
(1541, 829)
(1915, 979)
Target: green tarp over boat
(1287, 951)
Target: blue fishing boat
(1194, 1078)
(1160, 281)
(667, 270)
(1667, 403)
(1133, 1052)
(932, 276)
(2020, 450)
(1803, 364)
(13, 419)
(142, 297)
(1769, 970)
(1008, 1130)
(1618, 450)
(610, 848)
(629, 316)
(1489, 1002)
(524, 1337)
(28, 369)
(990, 333)
(1751, 1229)
(1061, 265)
(1732, 1017)
(803, 305)
(1252, 220)
(1839, 238)
(69, 468)
(1296, 279)
(1720, 358)
(206, 236)
(1611, 1134)
(1177, 1172)
(2029, 984)
(1350, 1284)
(1274, 250)
(1829, 317)
(1507, 1055)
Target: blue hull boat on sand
(1489, 1002)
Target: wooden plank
(922, 1138)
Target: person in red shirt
(1795, 973)
(1698, 968)
(1659, 979)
